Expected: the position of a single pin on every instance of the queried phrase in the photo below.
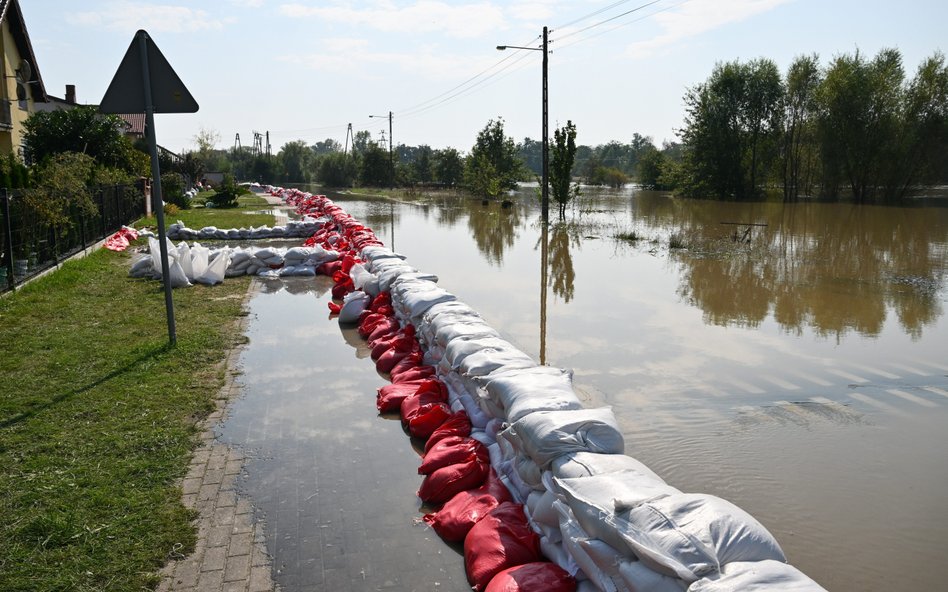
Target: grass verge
(98, 422)
(247, 214)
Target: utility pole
(391, 145)
(546, 133)
(348, 134)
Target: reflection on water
(832, 267)
(801, 375)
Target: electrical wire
(610, 19)
(619, 26)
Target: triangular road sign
(126, 93)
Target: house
(22, 88)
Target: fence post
(105, 232)
(8, 243)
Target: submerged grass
(97, 422)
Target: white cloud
(696, 17)
(357, 55)
(424, 16)
(131, 16)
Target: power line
(612, 18)
(592, 14)
(619, 26)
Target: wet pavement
(331, 482)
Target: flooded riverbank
(797, 371)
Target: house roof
(136, 123)
(10, 12)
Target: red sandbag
(389, 398)
(457, 425)
(384, 328)
(390, 357)
(532, 577)
(453, 521)
(381, 300)
(329, 268)
(369, 322)
(427, 419)
(413, 374)
(334, 308)
(410, 361)
(500, 540)
(452, 450)
(447, 482)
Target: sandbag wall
(537, 486)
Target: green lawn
(97, 420)
(245, 215)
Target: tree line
(857, 128)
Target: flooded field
(790, 358)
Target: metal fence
(31, 247)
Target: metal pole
(544, 270)
(156, 188)
(8, 243)
(546, 133)
(391, 147)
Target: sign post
(146, 82)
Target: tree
(327, 146)
(376, 169)
(360, 141)
(207, 140)
(337, 170)
(922, 144)
(531, 153)
(732, 126)
(298, 161)
(859, 117)
(562, 155)
(481, 177)
(799, 142)
(83, 130)
(497, 151)
(448, 166)
(423, 166)
(649, 169)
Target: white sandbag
(364, 280)
(554, 551)
(176, 276)
(154, 249)
(757, 576)
(592, 501)
(636, 576)
(297, 271)
(184, 258)
(199, 257)
(583, 464)
(469, 328)
(353, 304)
(529, 471)
(215, 270)
(597, 561)
(457, 350)
(690, 535)
(545, 435)
(141, 267)
(521, 393)
(485, 362)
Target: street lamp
(545, 189)
(391, 145)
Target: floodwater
(791, 359)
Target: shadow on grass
(37, 408)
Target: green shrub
(172, 190)
(225, 195)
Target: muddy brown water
(791, 358)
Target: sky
(304, 70)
